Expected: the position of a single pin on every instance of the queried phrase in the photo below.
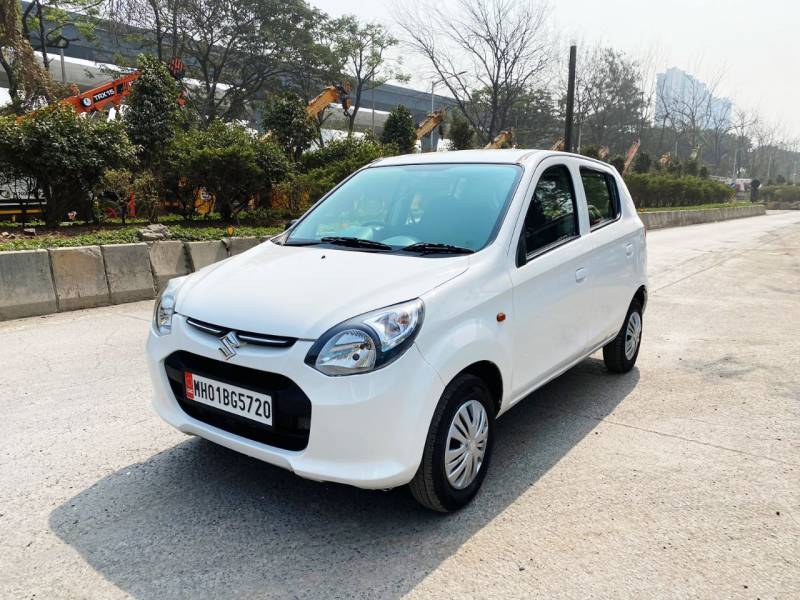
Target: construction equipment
(432, 120)
(504, 138)
(112, 93)
(631, 155)
(331, 94)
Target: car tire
(620, 354)
(465, 400)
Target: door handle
(628, 249)
(580, 274)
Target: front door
(549, 281)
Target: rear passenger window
(551, 216)
(601, 196)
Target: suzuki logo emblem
(228, 344)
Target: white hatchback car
(376, 340)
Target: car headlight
(367, 342)
(165, 306)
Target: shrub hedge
(651, 190)
(780, 193)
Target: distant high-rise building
(678, 94)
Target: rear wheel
(620, 354)
(458, 447)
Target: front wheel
(620, 354)
(458, 447)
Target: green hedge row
(651, 190)
(780, 193)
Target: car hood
(302, 291)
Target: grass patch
(126, 235)
(699, 206)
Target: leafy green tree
(642, 163)
(326, 167)
(152, 113)
(288, 124)
(28, 83)
(461, 134)
(229, 162)
(65, 155)
(362, 49)
(618, 162)
(399, 130)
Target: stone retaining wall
(39, 282)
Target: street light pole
(433, 87)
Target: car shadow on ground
(198, 520)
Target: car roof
(510, 156)
(515, 156)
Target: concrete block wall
(39, 282)
(677, 218)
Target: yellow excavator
(504, 138)
(338, 93)
(431, 122)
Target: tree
(399, 130)
(46, 23)
(488, 53)
(288, 124)
(462, 136)
(229, 162)
(610, 102)
(28, 82)
(164, 20)
(65, 155)
(152, 113)
(237, 47)
(534, 119)
(362, 50)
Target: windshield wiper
(353, 242)
(433, 248)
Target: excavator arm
(502, 138)
(333, 93)
(430, 123)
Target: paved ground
(681, 479)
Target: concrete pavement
(681, 479)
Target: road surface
(681, 479)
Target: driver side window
(552, 216)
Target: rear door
(612, 253)
(549, 277)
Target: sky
(751, 46)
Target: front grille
(291, 408)
(258, 339)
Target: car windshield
(435, 208)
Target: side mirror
(290, 224)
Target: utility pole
(573, 53)
(433, 87)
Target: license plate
(230, 398)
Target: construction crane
(432, 120)
(333, 93)
(505, 137)
(112, 93)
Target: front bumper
(366, 430)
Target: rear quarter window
(602, 196)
